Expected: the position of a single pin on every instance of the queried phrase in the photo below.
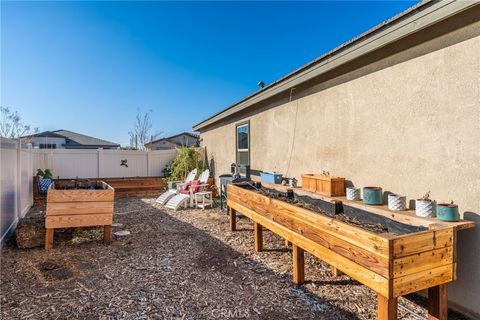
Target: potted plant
(397, 202)
(425, 207)
(373, 195)
(45, 179)
(353, 194)
(448, 212)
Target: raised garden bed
(72, 204)
(136, 187)
(391, 257)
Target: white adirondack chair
(186, 199)
(164, 197)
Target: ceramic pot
(43, 185)
(425, 208)
(373, 195)
(447, 212)
(397, 202)
(353, 194)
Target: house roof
(418, 17)
(75, 139)
(193, 135)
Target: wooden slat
(422, 261)
(422, 280)
(371, 279)
(336, 272)
(298, 258)
(438, 302)
(233, 219)
(79, 195)
(107, 234)
(372, 260)
(423, 241)
(49, 238)
(262, 204)
(69, 208)
(387, 308)
(80, 220)
(258, 236)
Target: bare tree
(11, 125)
(141, 132)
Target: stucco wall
(409, 123)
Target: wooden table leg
(49, 238)
(107, 234)
(336, 272)
(298, 264)
(438, 302)
(287, 243)
(233, 220)
(258, 236)
(387, 308)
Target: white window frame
(237, 127)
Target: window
(47, 146)
(243, 143)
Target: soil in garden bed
(352, 216)
(79, 185)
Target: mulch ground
(176, 265)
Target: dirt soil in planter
(376, 228)
(182, 264)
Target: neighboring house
(397, 107)
(184, 139)
(64, 139)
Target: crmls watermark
(230, 313)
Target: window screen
(243, 144)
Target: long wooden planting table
(78, 208)
(418, 254)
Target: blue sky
(88, 66)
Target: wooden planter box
(390, 264)
(135, 187)
(326, 185)
(78, 208)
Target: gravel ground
(176, 265)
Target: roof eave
(434, 13)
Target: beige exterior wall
(409, 123)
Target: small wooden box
(326, 185)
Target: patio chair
(164, 197)
(185, 196)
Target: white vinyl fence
(19, 163)
(16, 172)
(100, 163)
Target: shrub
(167, 171)
(187, 159)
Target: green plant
(426, 196)
(47, 174)
(167, 171)
(187, 159)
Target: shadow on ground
(167, 268)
